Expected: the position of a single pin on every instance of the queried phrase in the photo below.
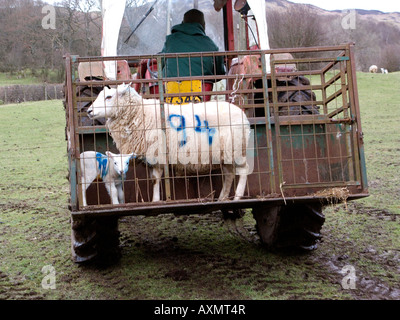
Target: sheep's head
(120, 162)
(107, 99)
(103, 104)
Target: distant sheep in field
(373, 69)
(111, 168)
(214, 134)
(384, 71)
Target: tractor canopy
(140, 27)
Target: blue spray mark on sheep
(199, 128)
(102, 162)
(181, 127)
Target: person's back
(189, 36)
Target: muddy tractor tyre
(82, 106)
(295, 226)
(301, 98)
(95, 240)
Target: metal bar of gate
(163, 128)
(268, 129)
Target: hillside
(375, 33)
(369, 15)
(78, 31)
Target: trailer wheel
(295, 226)
(95, 240)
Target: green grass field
(193, 257)
(380, 112)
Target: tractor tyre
(95, 240)
(297, 96)
(294, 226)
(83, 91)
(302, 98)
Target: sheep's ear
(123, 88)
(132, 89)
(109, 154)
(133, 155)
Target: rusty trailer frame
(302, 147)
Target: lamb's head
(107, 99)
(120, 162)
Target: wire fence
(34, 92)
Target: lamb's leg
(121, 197)
(86, 182)
(84, 188)
(156, 176)
(227, 178)
(112, 191)
(88, 174)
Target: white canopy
(113, 13)
(258, 9)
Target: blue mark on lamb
(102, 162)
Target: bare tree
(390, 58)
(296, 26)
(24, 43)
(80, 26)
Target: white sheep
(111, 168)
(373, 69)
(199, 137)
(384, 71)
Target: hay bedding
(334, 195)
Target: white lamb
(198, 137)
(111, 168)
(373, 69)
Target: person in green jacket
(189, 36)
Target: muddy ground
(325, 265)
(197, 257)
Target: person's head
(193, 16)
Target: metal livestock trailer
(305, 150)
